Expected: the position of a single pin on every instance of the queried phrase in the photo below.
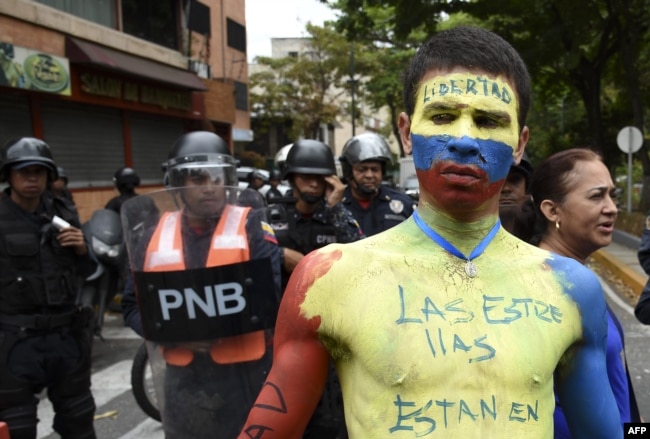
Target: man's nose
(463, 146)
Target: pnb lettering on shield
(221, 299)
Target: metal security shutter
(86, 141)
(152, 138)
(15, 118)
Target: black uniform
(387, 208)
(44, 339)
(307, 233)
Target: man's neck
(464, 235)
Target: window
(98, 11)
(236, 35)
(152, 20)
(241, 96)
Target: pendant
(470, 269)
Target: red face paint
(453, 186)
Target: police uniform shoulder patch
(396, 206)
(268, 232)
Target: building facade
(335, 134)
(113, 83)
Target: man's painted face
(464, 133)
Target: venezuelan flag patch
(268, 233)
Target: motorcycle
(142, 384)
(103, 232)
(207, 330)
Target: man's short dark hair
(473, 48)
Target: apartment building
(112, 83)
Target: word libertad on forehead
(473, 86)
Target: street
(118, 416)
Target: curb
(631, 277)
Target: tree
(304, 89)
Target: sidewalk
(621, 258)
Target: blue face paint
(492, 157)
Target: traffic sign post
(629, 140)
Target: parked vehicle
(142, 383)
(412, 187)
(106, 243)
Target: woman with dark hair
(572, 212)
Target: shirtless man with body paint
(452, 328)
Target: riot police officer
(377, 207)
(275, 177)
(315, 217)
(125, 180)
(60, 186)
(45, 338)
(206, 389)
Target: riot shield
(208, 303)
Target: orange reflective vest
(228, 245)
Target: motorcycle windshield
(202, 263)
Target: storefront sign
(33, 70)
(99, 85)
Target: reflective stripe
(229, 242)
(168, 252)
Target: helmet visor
(200, 173)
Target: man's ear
(404, 124)
(521, 145)
(549, 210)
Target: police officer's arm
(581, 377)
(130, 310)
(263, 244)
(73, 237)
(334, 190)
(291, 258)
(299, 371)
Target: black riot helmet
(26, 151)
(364, 147)
(201, 151)
(275, 174)
(309, 156)
(126, 179)
(62, 174)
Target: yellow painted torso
(422, 350)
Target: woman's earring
(557, 225)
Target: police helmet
(26, 151)
(61, 174)
(309, 156)
(275, 174)
(126, 178)
(363, 147)
(200, 151)
(254, 175)
(281, 157)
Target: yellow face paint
(466, 104)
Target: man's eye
(486, 122)
(442, 118)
